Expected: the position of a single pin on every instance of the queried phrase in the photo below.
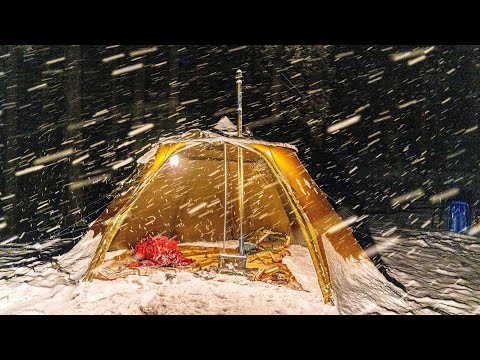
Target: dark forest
(73, 120)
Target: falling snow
(388, 132)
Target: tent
(180, 187)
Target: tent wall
(280, 195)
(109, 222)
(186, 201)
(315, 204)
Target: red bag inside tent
(159, 251)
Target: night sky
(411, 110)
(419, 123)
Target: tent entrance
(181, 196)
(185, 199)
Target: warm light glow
(174, 160)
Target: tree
(72, 199)
(139, 97)
(174, 88)
(13, 64)
(300, 82)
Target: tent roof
(223, 131)
(313, 213)
(197, 135)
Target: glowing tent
(206, 186)
(180, 193)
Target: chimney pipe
(239, 78)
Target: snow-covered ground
(439, 270)
(49, 291)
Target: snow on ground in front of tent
(439, 271)
(50, 291)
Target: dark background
(417, 130)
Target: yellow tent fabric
(183, 199)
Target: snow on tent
(215, 187)
(180, 193)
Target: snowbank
(439, 271)
(54, 291)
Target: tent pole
(240, 199)
(225, 164)
(239, 261)
(239, 78)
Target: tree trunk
(73, 199)
(174, 88)
(276, 87)
(139, 97)
(116, 113)
(11, 144)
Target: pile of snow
(54, 288)
(439, 271)
(359, 288)
(145, 158)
